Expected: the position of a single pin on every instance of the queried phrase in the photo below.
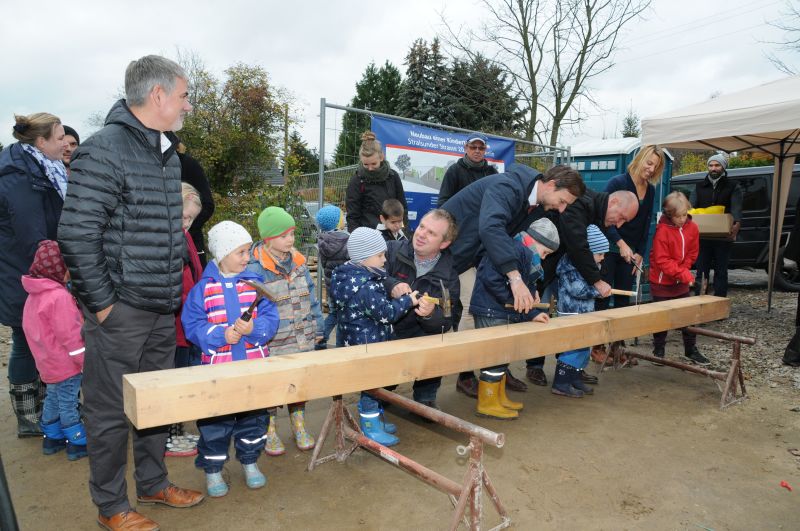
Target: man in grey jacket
(120, 234)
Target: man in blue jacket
(490, 211)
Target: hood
(13, 159)
(333, 243)
(211, 272)
(36, 285)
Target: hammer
(261, 293)
(443, 301)
(550, 307)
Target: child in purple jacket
(52, 324)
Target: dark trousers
(550, 291)
(620, 275)
(716, 254)
(21, 365)
(248, 431)
(130, 340)
(660, 338)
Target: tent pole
(774, 237)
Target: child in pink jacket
(52, 324)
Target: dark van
(752, 245)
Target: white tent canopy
(764, 119)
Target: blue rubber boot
(76, 441)
(253, 476)
(562, 382)
(369, 413)
(54, 438)
(388, 427)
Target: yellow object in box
(713, 209)
(712, 221)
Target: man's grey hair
(144, 74)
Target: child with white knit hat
(576, 296)
(366, 313)
(212, 319)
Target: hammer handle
(536, 306)
(623, 292)
(248, 314)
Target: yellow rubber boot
(507, 402)
(303, 439)
(489, 402)
(274, 446)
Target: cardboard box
(713, 225)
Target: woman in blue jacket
(33, 181)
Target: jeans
(486, 322)
(61, 402)
(716, 254)
(577, 359)
(21, 365)
(425, 390)
(330, 324)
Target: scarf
(54, 169)
(48, 263)
(426, 266)
(374, 176)
(469, 164)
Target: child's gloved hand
(243, 327)
(232, 336)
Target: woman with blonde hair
(373, 183)
(33, 181)
(630, 241)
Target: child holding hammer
(227, 319)
(492, 305)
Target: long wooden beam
(164, 397)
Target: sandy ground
(650, 450)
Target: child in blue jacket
(366, 313)
(492, 304)
(576, 296)
(212, 319)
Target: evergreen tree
(415, 92)
(301, 159)
(379, 91)
(630, 125)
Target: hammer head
(445, 300)
(261, 289)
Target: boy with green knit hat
(284, 271)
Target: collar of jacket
(121, 114)
(266, 260)
(23, 162)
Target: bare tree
(553, 49)
(790, 24)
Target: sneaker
(658, 352)
(181, 446)
(695, 357)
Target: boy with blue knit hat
(576, 296)
(284, 271)
(366, 313)
(492, 304)
(332, 249)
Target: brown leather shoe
(128, 520)
(514, 384)
(468, 386)
(589, 378)
(599, 353)
(536, 376)
(174, 497)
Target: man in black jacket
(717, 189)
(121, 236)
(424, 265)
(468, 169)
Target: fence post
(320, 272)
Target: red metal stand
(733, 391)
(469, 492)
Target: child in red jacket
(675, 248)
(52, 324)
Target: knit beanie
(598, 243)
(543, 231)
(48, 262)
(365, 242)
(719, 157)
(225, 237)
(70, 131)
(328, 218)
(273, 222)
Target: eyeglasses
(477, 148)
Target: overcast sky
(682, 53)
